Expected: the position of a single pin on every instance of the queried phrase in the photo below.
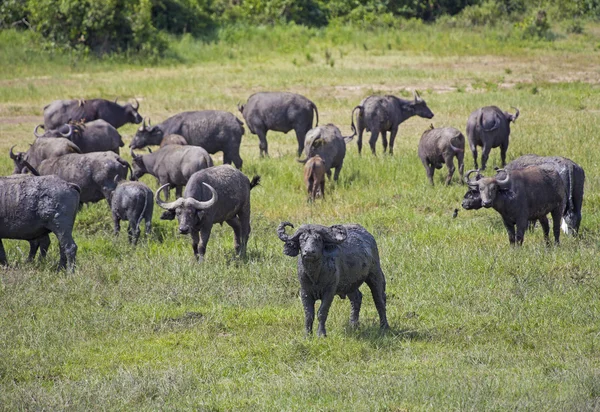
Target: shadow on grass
(376, 336)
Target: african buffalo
(132, 201)
(60, 112)
(327, 142)
(40, 150)
(95, 136)
(281, 112)
(314, 177)
(385, 113)
(438, 146)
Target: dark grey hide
(95, 136)
(214, 195)
(174, 139)
(213, 130)
(94, 173)
(382, 114)
(524, 195)
(328, 143)
(281, 112)
(132, 201)
(440, 146)
(60, 112)
(335, 260)
(31, 207)
(172, 165)
(40, 150)
(489, 127)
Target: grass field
(475, 324)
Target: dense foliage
(140, 25)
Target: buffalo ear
(291, 248)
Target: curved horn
(137, 104)
(335, 234)
(467, 180)
(149, 123)
(516, 116)
(416, 95)
(70, 132)
(169, 206)
(116, 98)
(281, 231)
(144, 123)
(36, 128)
(503, 183)
(240, 107)
(133, 155)
(11, 154)
(303, 161)
(203, 205)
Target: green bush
(535, 26)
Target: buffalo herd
(77, 160)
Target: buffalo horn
(281, 231)
(516, 116)
(116, 98)
(12, 155)
(36, 128)
(70, 132)
(171, 205)
(203, 205)
(503, 182)
(133, 155)
(417, 96)
(467, 180)
(137, 104)
(335, 234)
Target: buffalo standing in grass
(40, 150)
(382, 114)
(213, 130)
(31, 207)
(439, 146)
(489, 127)
(524, 195)
(60, 112)
(281, 112)
(335, 260)
(314, 177)
(95, 136)
(132, 201)
(328, 143)
(214, 195)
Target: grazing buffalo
(214, 195)
(439, 146)
(212, 130)
(132, 201)
(172, 165)
(40, 150)
(96, 173)
(95, 136)
(33, 206)
(327, 142)
(335, 260)
(489, 127)
(385, 114)
(314, 177)
(524, 195)
(173, 139)
(60, 112)
(281, 112)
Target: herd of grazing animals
(77, 161)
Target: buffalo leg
(116, 223)
(373, 140)
(203, 241)
(309, 185)
(336, 173)
(322, 188)
(474, 151)
(503, 150)
(301, 136)
(510, 230)
(355, 303)
(521, 228)
(429, 170)
(485, 154)
(68, 249)
(461, 166)
(235, 158)
(178, 191)
(42, 243)
(3, 261)
(262, 145)
(148, 225)
(244, 216)
(326, 301)
(393, 134)
(376, 282)
(556, 217)
(237, 233)
(359, 138)
(450, 166)
(133, 231)
(545, 228)
(308, 302)
(384, 141)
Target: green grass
(476, 324)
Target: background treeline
(143, 26)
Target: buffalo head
(190, 212)
(138, 167)
(311, 241)
(488, 187)
(146, 136)
(131, 112)
(420, 107)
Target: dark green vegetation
(475, 324)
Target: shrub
(535, 26)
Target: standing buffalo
(438, 146)
(327, 142)
(214, 195)
(60, 112)
(281, 112)
(95, 136)
(213, 130)
(314, 177)
(96, 174)
(524, 195)
(41, 149)
(132, 201)
(385, 113)
(335, 260)
(489, 127)
(31, 207)
(172, 165)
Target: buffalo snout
(184, 230)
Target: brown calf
(314, 177)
